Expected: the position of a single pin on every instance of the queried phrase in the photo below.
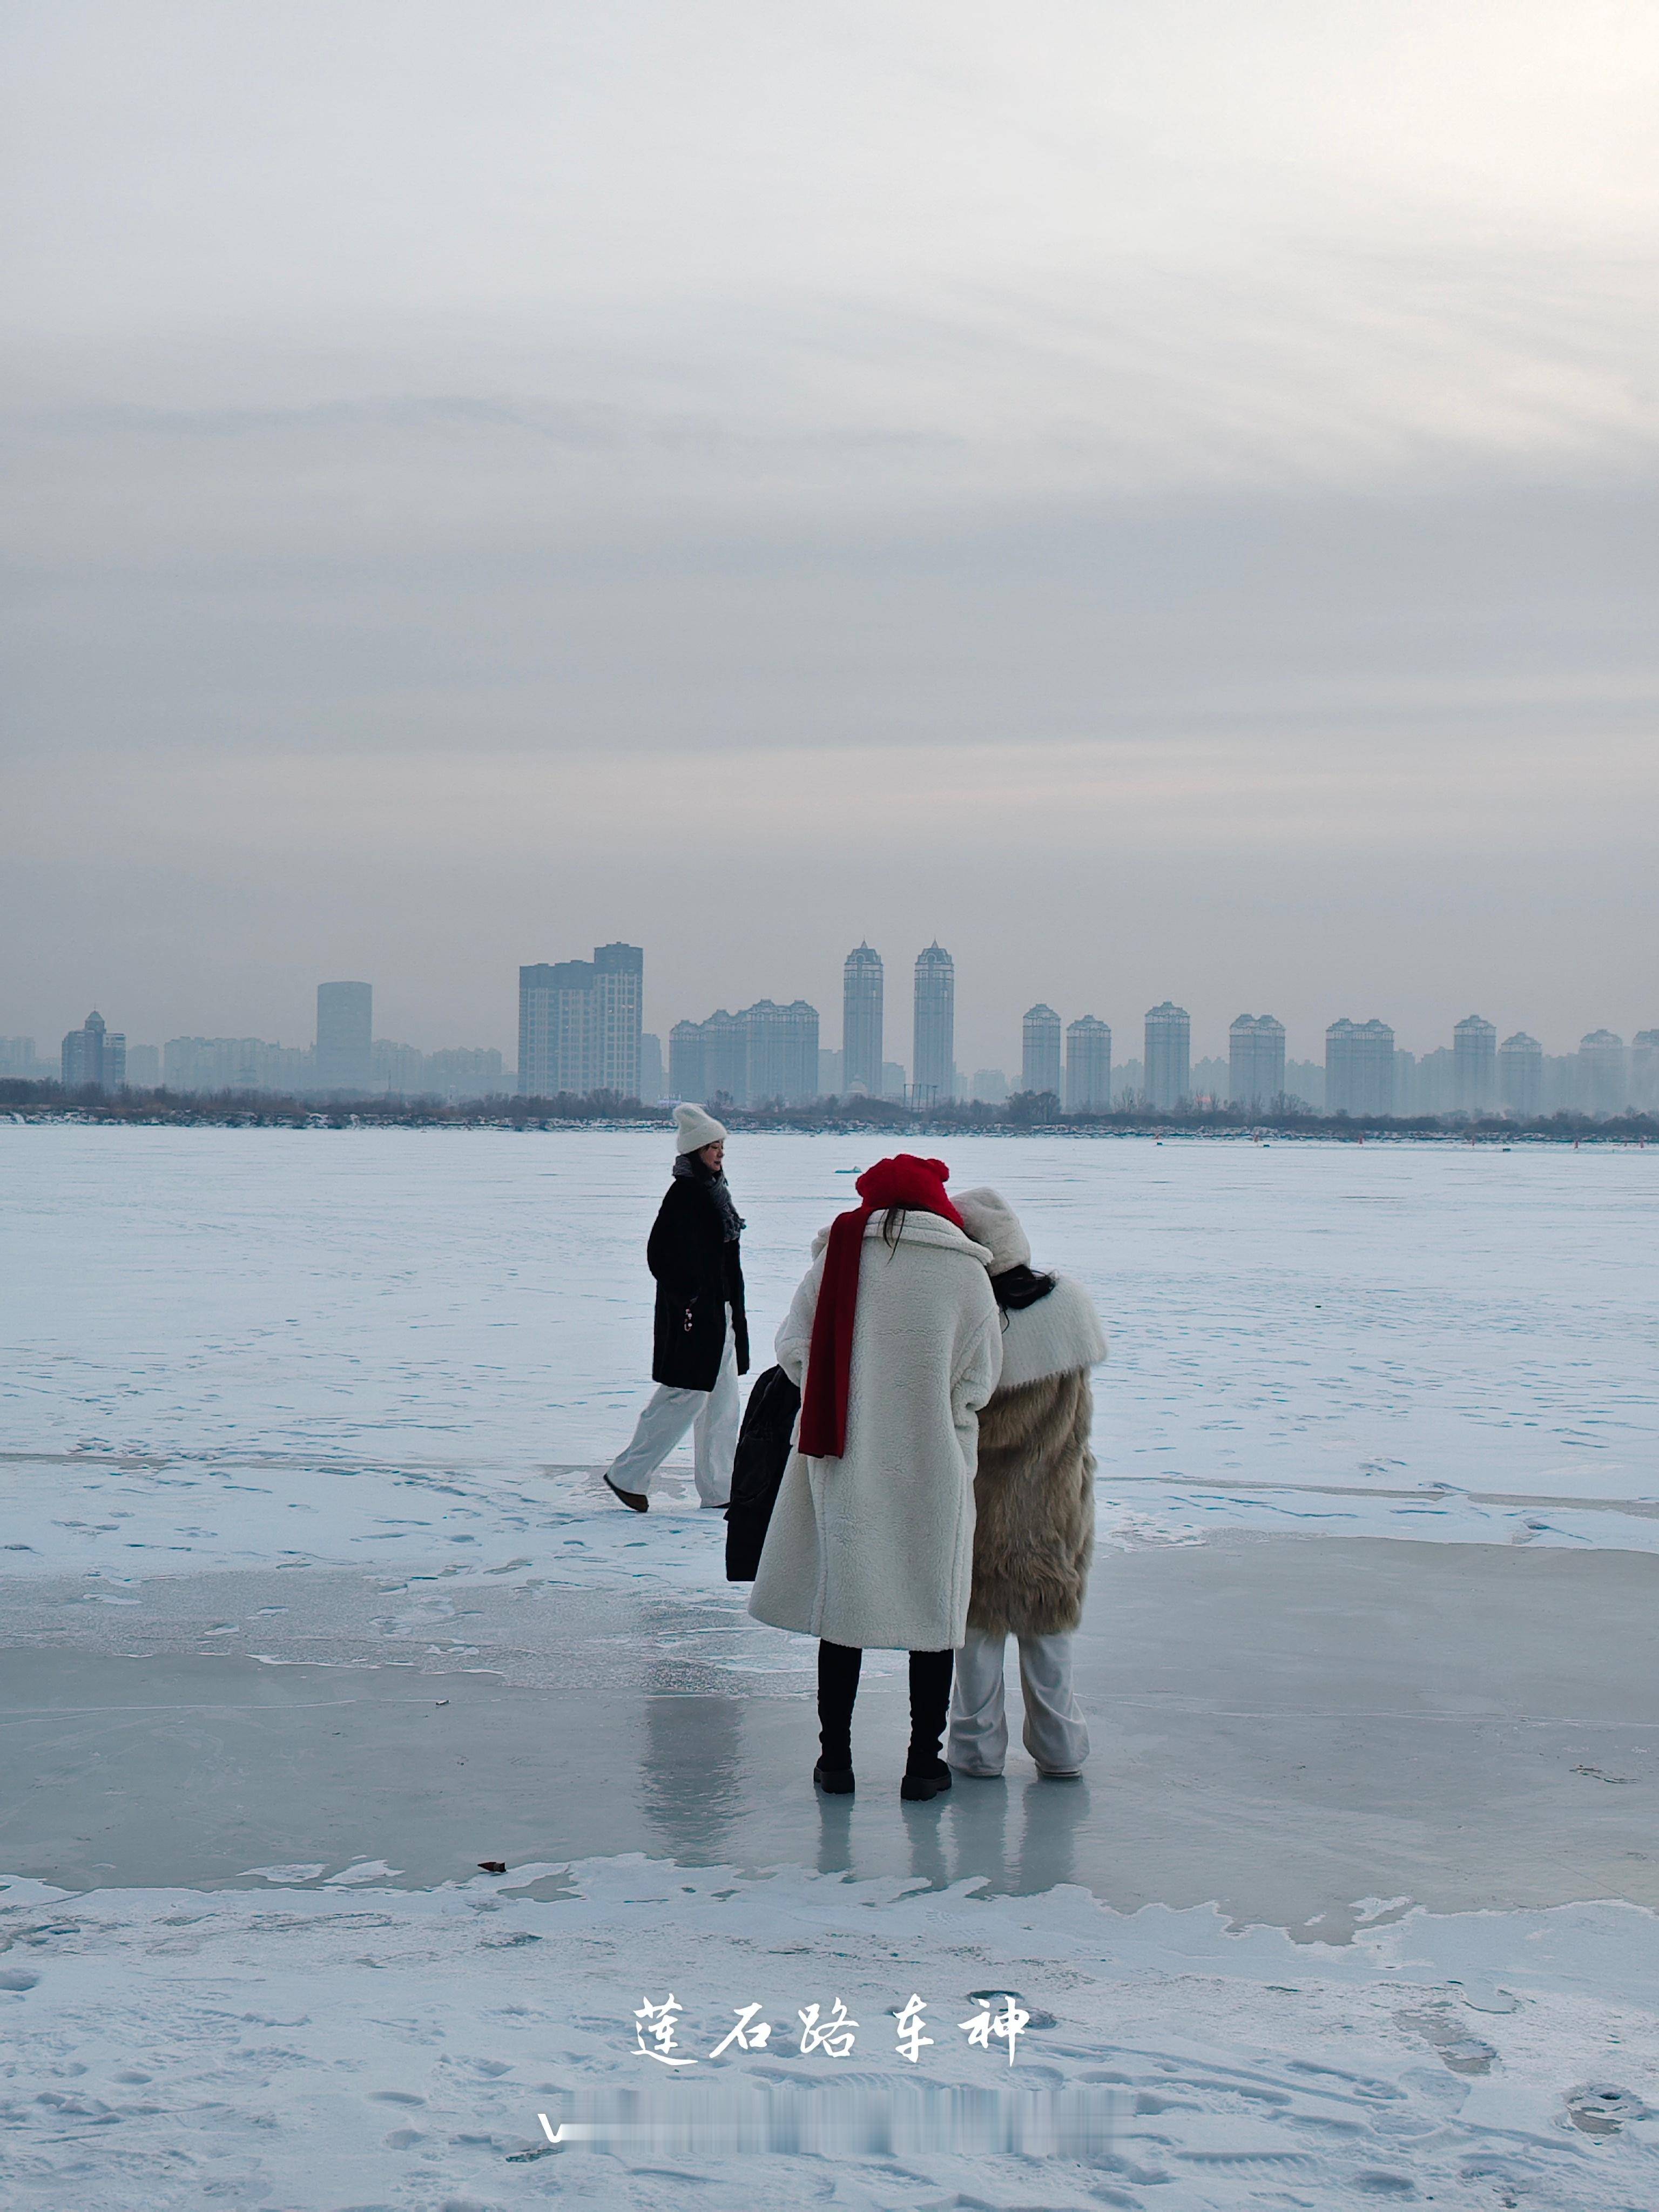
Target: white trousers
(1055, 1732)
(711, 1418)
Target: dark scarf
(714, 1181)
(902, 1182)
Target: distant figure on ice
(896, 1342)
(700, 1343)
(1034, 1535)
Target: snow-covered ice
(252, 1345)
(370, 2047)
(341, 1398)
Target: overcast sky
(1158, 497)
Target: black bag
(768, 1423)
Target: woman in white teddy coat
(872, 1545)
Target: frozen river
(1440, 1341)
(312, 1599)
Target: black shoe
(834, 1780)
(635, 1500)
(931, 1782)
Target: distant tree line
(1026, 1112)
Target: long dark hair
(1019, 1287)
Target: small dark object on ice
(634, 1499)
(834, 1780)
(918, 1788)
(492, 1866)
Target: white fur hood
(1056, 1336)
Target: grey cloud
(1225, 452)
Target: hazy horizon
(1160, 501)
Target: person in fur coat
(895, 1340)
(1034, 1490)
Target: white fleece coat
(875, 1549)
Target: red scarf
(906, 1181)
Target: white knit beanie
(694, 1128)
(991, 1221)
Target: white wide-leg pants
(1055, 1732)
(711, 1418)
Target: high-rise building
(1475, 1065)
(215, 1064)
(143, 1069)
(989, 1086)
(1169, 1054)
(861, 1022)
(17, 1058)
(1088, 1066)
(464, 1071)
(765, 1053)
(650, 1068)
(1359, 1068)
(1603, 1073)
(892, 1080)
(555, 1000)
(1645, 1071)
(1434, 1084)
(726, 1057)
(686, 1063)
(783, 1055)
(93, 1057)
(933, 1057)
(1304, 1084)
(1255, 1060)
(1206, 1080)
(345, 1035)
(1521, 1075)
(618, 1011)
(396, 1071)
(579, 1023)
(1039, 1061)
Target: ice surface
(322, 1413)
(1279, 1725)
(371, 1347)
(336, 2049)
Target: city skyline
(985, 1032)
(983, 1036)
(581, 1031)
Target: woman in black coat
(701, 1337)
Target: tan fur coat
(1034, 1490)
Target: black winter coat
(698, 1275)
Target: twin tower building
(580, 1032)
(767, 1051)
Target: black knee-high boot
(838, 1689)
(925, 1772)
